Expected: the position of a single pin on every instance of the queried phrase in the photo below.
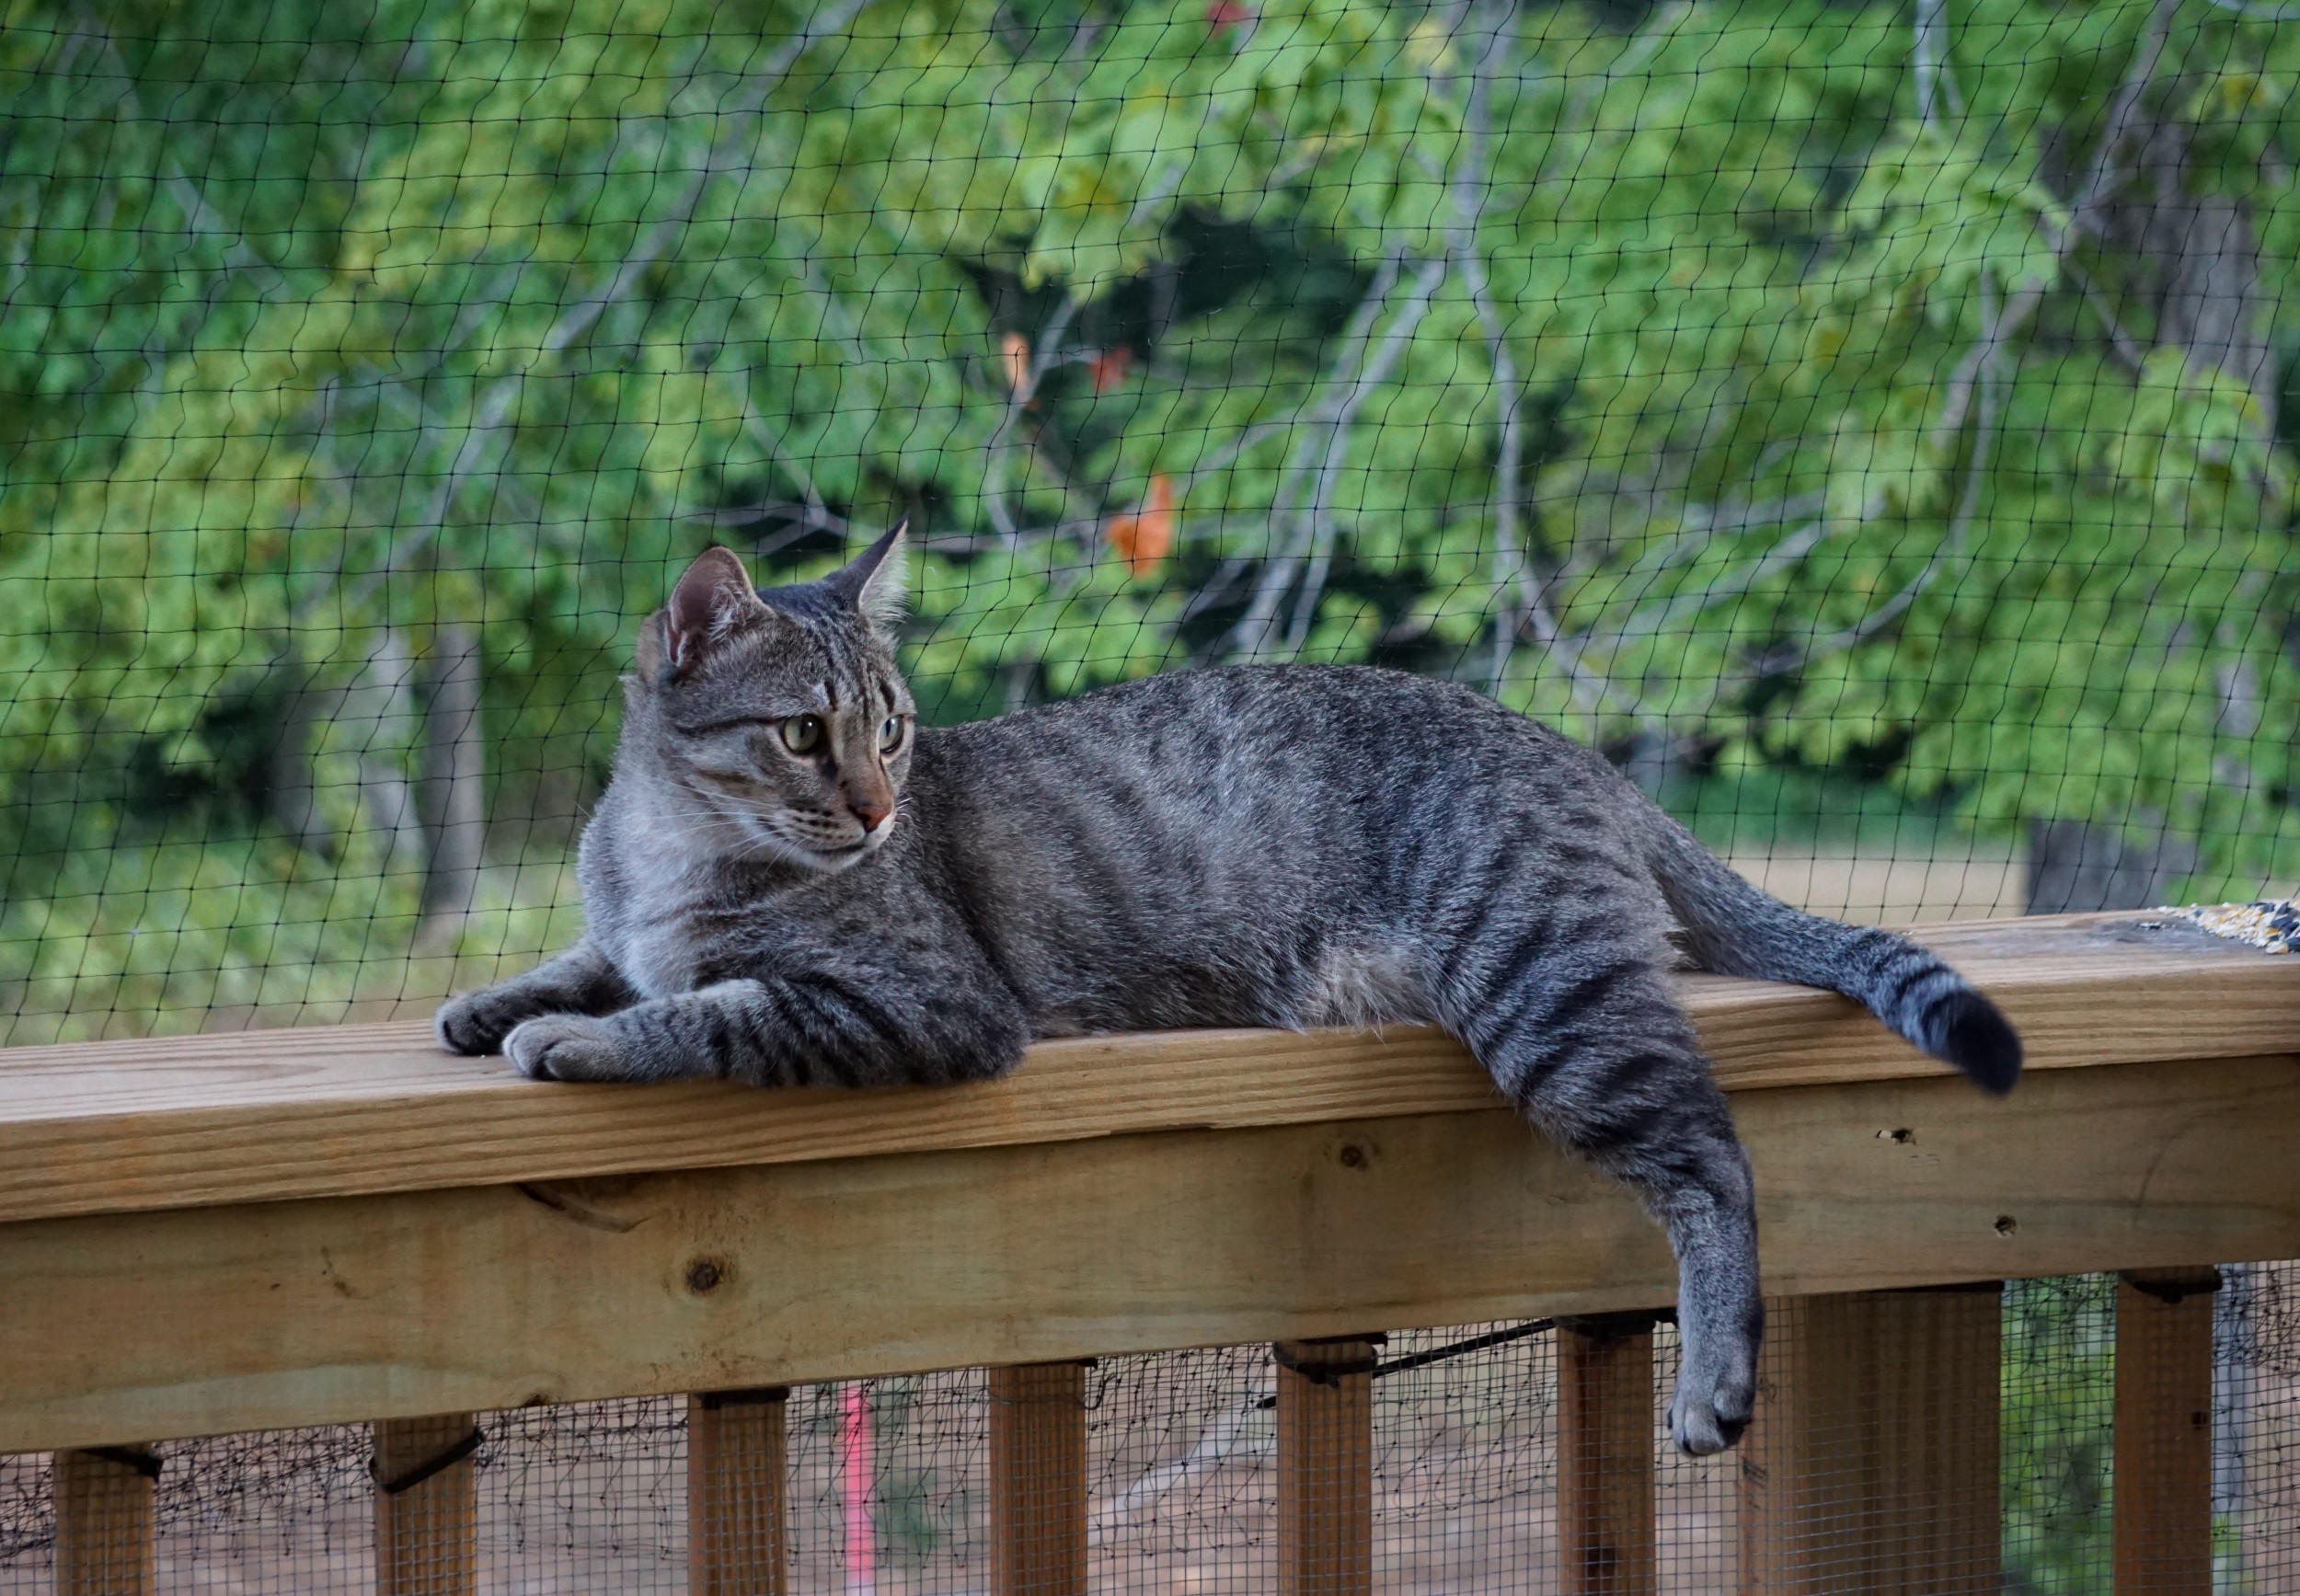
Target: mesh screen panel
(889, 1484)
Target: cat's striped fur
(1257, 846)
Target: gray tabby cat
(791, 882)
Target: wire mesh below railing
(891, 1488)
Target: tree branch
(1043, 358)
(2129, 354)
(1376, 373)
(1928, 57)
(239, 253)
(1253, 629)
(1651, 619)
(492, 414)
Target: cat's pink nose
(870, 814)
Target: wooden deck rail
(221, 1233)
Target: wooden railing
(264, 1231)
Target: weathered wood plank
(342, 1308)
(184, 1121)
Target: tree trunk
(378, 712)
(293, 789)
(451, 795)
(2074, 868)
(2199, 266)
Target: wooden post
(1606, 1545)
(2162, 1543)
(426, 1505)
(1325, 1466)
(104, 1521)
(738, 1536)
(1038, 1480)
(1873, 1461)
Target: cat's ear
(711, 601)
(874, 583)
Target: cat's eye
(803, 733)
(891, 734)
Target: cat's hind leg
(580, 981)
(1579, 1027)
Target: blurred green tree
(1736, 383)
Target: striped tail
(1733, 928)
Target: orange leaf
(1143, 537)
(1109, 366)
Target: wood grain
(337, 1309)
(103, 1527)
(1324, 1470)
(1038, 1480)
(738, 1493)
(1872, 1462)
(176, 1122)
(426, 1536)
(2161, 1542)
(1605, 1423)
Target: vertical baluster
(1326, 1468)
(2162, 1541)
(1872, 1463)
(1606, 1545)
(104, 1521)
(1038, 1480)
(426, 1505)
(737, 1508)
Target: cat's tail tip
(1964, 1028)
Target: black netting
(1868, 423)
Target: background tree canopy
(1745, 385)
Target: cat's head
(777, 718)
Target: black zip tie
(423, 1471)
(2172, 1291)
(756, 1396)
(1329, 1374)
(1458, 1349)
(1323, 1371)
(146, 1464)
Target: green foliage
(2059, 1393)
(1658, 367)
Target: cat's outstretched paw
(566, 1047)
(1714, 1398)
(477, 1022)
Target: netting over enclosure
(888, 1483)
(1865, 421)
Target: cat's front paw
(567, 1047)
(1717, 1389)
(477, 1022)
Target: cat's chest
(657, 936)
(684, 932)
(660, 961)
